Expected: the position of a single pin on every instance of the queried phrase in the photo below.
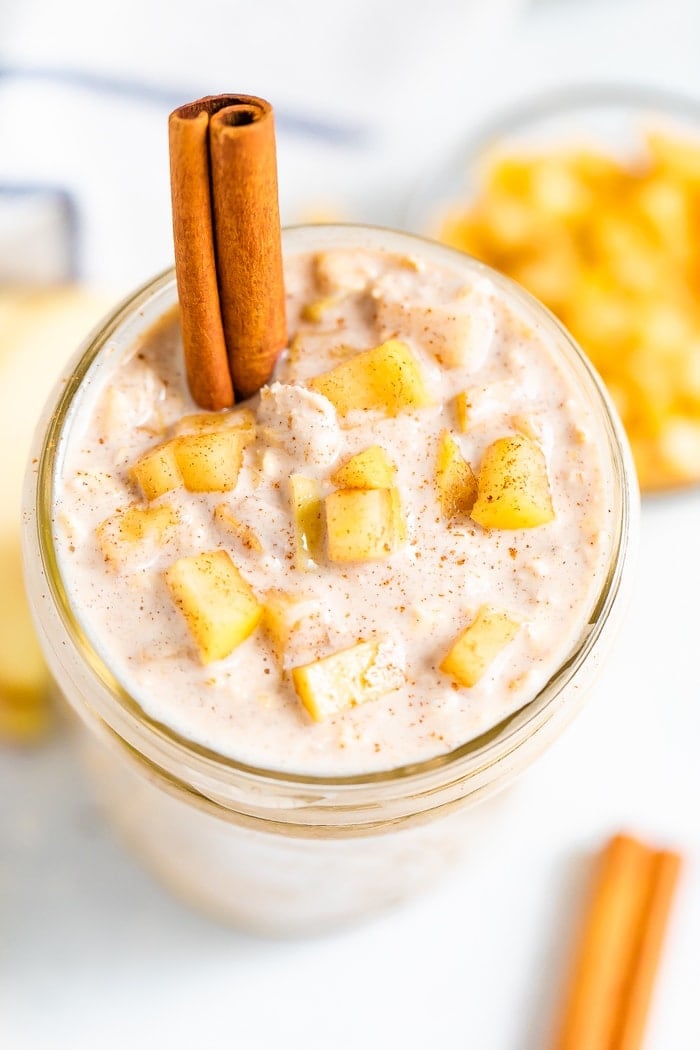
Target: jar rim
(165, 748)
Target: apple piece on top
(241, 419)
(455, 479)
(478, 645)
(513, 486)
(217, 602)
(365, 671)
(307, 512)
(370, 469)
(363, 524)
(210, 461)
(462, 403)
(156, 471)
(387, 378)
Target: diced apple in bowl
(157, 471)
(118, 536)
(513, 486)
(241, 419)
(217, 602)
(387, 378)
(370, 469)
(363, 524)
(210, 461)
(478, 645)
(363, 672)
(455, 479)
(307, 515)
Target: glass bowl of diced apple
(590, 198)
(293, 848)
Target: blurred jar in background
(44, 313)
(591, 200)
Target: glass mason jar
(279, 852)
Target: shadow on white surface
(64, 877)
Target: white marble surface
(92, 953)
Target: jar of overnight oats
(279, 783)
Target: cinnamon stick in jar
(248, 240)
(228, 251)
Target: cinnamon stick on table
(618, 953)
(228, 250)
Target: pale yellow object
(369, 469)
(218, 604)
(24, 712)
(386, 378)
(513, 487)
(316, 311)
(454, 478)
(462, 405)
(39, 330)
(157, 472)
(365, 671)
(307, 512)
(613, 247)
(478, 645)
(241, 419)
(363, 524)
(211, 460)
(134, 525)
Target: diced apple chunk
(307, 512)
(455, 479)
(138, 523)
(366, 671)
(387, 378)
(242, 419)
(363, 524)
(210, 461)
(462, 404)
(371, 469)
(478, 645)
(218, 604)
(238, 529)
(315, 311)
(117, 535)
(157, 472)
(513, 487)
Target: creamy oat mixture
(489, 373)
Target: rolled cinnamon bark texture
(228, 248)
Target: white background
(92, 954)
